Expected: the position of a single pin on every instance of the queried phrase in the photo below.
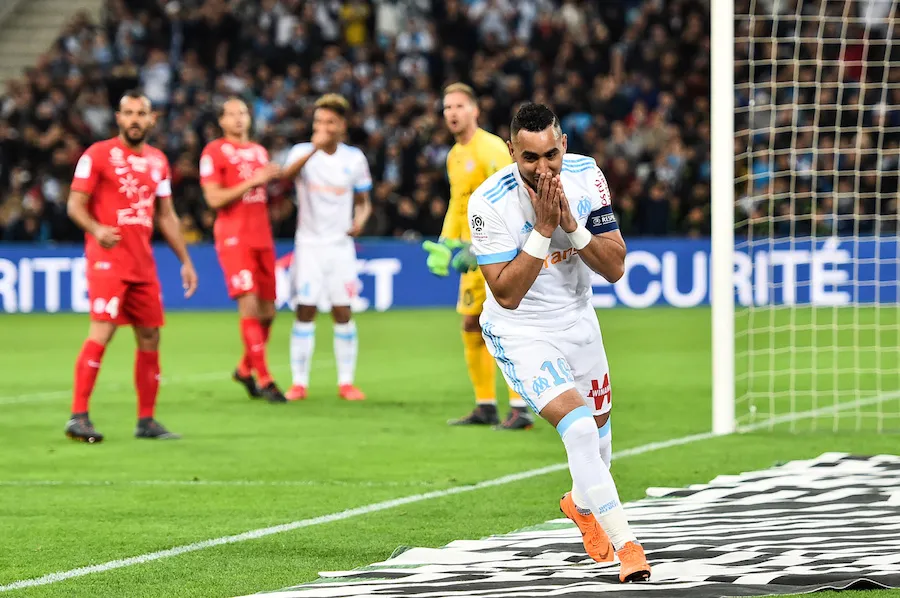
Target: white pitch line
(213, 483)
(363, 510)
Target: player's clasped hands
(266, 173)
(546, 203)
(107, 236)
(566, 219)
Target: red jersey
(123, 186)
(243, 222)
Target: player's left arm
(599, 242)
(362, 209)
(362, 205)
(170, 228)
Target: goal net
(816, 268)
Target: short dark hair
(533, 118)
(220, 111)
(134, 94)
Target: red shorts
(124, 302)
(248, 271)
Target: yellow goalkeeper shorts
(471, 293)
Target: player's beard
(135, 135)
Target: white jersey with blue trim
(325, 188)
(501, 217)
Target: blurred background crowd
(629, 80)
(817, 117)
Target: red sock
(245, 367)
(255, 349)
(146, 381)
(86, 369)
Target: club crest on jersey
(584, 207)
(539, 385)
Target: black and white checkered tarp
(831, 522)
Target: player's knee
(267, 311)
(101, 332)
(577, 424)
(601, 420)
(305, 313)
(471, 324)
(248, 306)
(341, 315)
(147, 338)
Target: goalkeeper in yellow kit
(476, 155)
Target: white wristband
(537, 245)
(580, 238)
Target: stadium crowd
(629, 79)
(817, 119)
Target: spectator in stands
(629, 79)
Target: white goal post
(805, 178)
(722, 213)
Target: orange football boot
(596, 542)
(295, 393)
(634, 563)
(348, 392)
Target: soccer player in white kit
(333, 185)
(539, 226)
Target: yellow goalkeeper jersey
(467, 167)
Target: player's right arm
(87, 173)
(508, 272)
(216, 195)
(300, 155)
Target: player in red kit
(120, 186)
(234, 173)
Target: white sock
(303, 341)
(346, 346)
(605, 453)
(518, 403)
(591, 476)
(606, 443)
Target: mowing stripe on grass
(388, 504)
(339, 516)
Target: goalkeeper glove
(464, 261)
(439, 256)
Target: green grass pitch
(322, 455)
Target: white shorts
(541, 365)
(324, 273)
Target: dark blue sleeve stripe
(602, 221)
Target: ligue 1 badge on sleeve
(477, 226)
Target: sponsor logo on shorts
(600, 392)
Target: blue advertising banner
(392, 274)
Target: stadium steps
(33, 27)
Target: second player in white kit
(539, 227)
(333, 185)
